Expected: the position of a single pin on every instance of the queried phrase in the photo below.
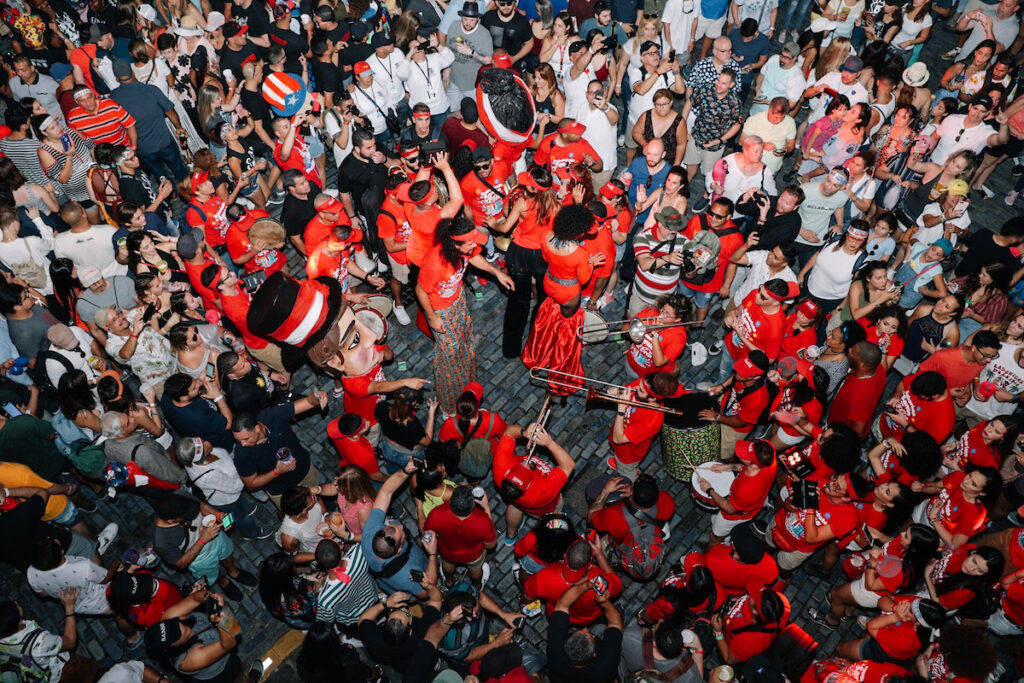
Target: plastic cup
(209, 520)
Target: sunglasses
(957, 138)
(650, 15)
(717, 215)
(482, 164)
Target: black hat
(482, 154)
(749, 548)
(161, 636)
(379, 39)
(470, 114)
(133, 589)
(176, 506)
(359, 30)
(471, 10)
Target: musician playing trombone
(634, 428)
(659, 350)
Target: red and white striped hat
(296, 314)
(284, 93)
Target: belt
(561, 281)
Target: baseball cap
(476, 389)
(792, 291)
(958, 188)
(482, 154)
(361, 67)
(647, 45)
(61, 70)
(188, 243)
(852, 64)
(122, 70)
(332, 204)
(808, 308)
(381, 40)
(749, 548)
(745, 450)
(610, 190)
(471, 235)
(232, 29)
(526, 179)
(198, 178)
(746, 368)
(502, 62)
(359, 30)
(97, 31)
(282, 8)
(89, 275)
(214, 21)
(575, 128)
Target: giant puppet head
(507, 111)
(285, 94)
(311, 319)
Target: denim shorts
(700, 299)
(68, 516)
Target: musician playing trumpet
(634, 428)
(659, 350)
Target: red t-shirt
(890, 344)
(145, 615)
(789, 533)
(950, 364)
(971, 449)
(900, 640)
(237, 241)
(864, 671)
(952, 509)
(612, 519)
(236, 308)
(211, 217)
(734, 577)
(541, 484)
(672, 340)
(1017, 548)
(460, 540)
(748, 493)
(300, 159)
(857, 399)
(562, 156)
(764, 331)
(640, 426)
(357, 398)
(317, 231)
(392, 224)
(210, 297)
(358, 452)
(794, 340)
(935, 417)
(482, 200)
(549, 585)
(1013, 602)
(601, 243)
(728, 243)
(746, 644)
(441, 280)
(421, 235)
(948, 566)
(747, 407)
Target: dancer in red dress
(553, 342)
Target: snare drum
(594, 327)
(270, 231)
(381, 303)
(720, 482)
(686, 440)
(374, 321)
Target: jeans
(793, 15)
(725, 365)
(166, 162)
(968, 327)
(246, 524)
(700, 299)
(395, 457)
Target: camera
(760, 198)
(610, 43)
(213, 607)
(351, 109)
(429, 149)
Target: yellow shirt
(13, 475)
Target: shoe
(606, 299)
(621, 140)
(256, 672)
(862, 621)
(718, 314)
(274, 200)
(106, 537)
(820, 617)
(716, 348)
(1017, 170)
(260, 496)
(86, 505)
(331, 192)
(666, 530)
(338, 392)
(1015, 519)
(951, 54)
(354, 642)
(704, 386)
(232, 592)
(781, 37)
(245, 202)
(701, 205)
(135, 644)
(401, 315)
(263, 532)
(491, 256)
(698, 354)
(246, 579)
(759, 526)
(512, 541)
(486, 574)
(1011, 197)
(610, 462)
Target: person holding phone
(581, 656)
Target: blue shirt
(8, 351)
(713, 9)
(622, 10)
(640, 175)
(199, 418)
(591, 23)
(149, 107)
(400, 580)
(749, 51)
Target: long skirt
(554, 343)
(454, 355)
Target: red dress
(553, 342)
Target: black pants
(526, 267)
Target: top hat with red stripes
(299, 316)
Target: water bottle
(20, 363)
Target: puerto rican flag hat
(300, 316)
(284, 93)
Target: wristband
(719, 636)
(133, 335)
(219, 398)
(202, 542)
(68, 615)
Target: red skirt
(554, 343)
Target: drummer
(659, 350)
(645, 500)
(744, 398)
(250, 251)
(634, 428)
(755, 475)
(330, 213)
(333, 258)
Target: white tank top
(1004, 372)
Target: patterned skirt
(454, 355)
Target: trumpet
(593, 395)
(636, 331)
(542, 419)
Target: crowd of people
(201, 198)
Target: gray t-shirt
(817, 209)
(120, 293)
(466, 67)
(633, 659)
(207, 634)
(29, 335)
(149, 455)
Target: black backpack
(42, 378)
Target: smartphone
(518, 623)
(65, 140)
(891, 410)
(416, 575)
(213, 606)
(600, 585)
(591, 536)
(672, 55)
(227, 521)
(148, 314)
(11, 410)
(210, 370)
(200, 584)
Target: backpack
(89, 457)
(42, 378)
(183, 218)
(17, 665)
(642, 550)
(475, 451)
(650, 673)
(702, 278)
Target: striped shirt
(108, 124)
(649, 285)
(23, 154)
(343, 602)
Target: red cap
(502, 61)
(331, 204)
(526, 180)
(792, 292)
(476, 389)
(746, 369)
(610, 190)
(198, 178)
(473, 235)
(745, 451)
(574, 128)
(808, 308)
(361, 67)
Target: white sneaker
(1011, 198)
(781, 37)
(666, 530)
(260, 495)
(704, 386)
(486, 574)
(331, 192)
(605, 299)
(952, 54)
(401, 315)
(106, 537)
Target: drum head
(364, 261)
(381, 303)
(691, 405)
(374, 321)
(720, 482)
(594, 328)
(270, 231)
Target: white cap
(214, 21)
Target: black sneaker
(701, 205)
(1017, 170)
(821, 618)
(256, 672)
(232, 592)
(263, 532)
(246, 579)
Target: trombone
(593, 395)
(542, 419)
(636, 331)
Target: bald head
(654, 152)
(722, 49)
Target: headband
(197, 449)
(46, 123)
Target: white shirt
(834, 80)
(46, 647)
(832, 273)
(954, 136)
(79, 357)
(779, 82)
(94, 247)
(757, 9)
(423, 79)
(220, 481)
(76, 572)
(928, 235)
(372, 103)
(639, 103)
(1004, 30)
(758, 274)
(910, 29)
(679, 16)
(31, 249)
(385, 72)
(865, 188)
(736, 183)
(600, 134)
(576, 92)
(333, 124)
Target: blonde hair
(209, 92)
(833, 57)
(646, 21)
(354, 484)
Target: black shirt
(983, 250)
(356, 176)
(604, 666)
(348, 57)
(255, 16)
(327, 77)
(251, 393)
(293, 44)
(296, 213)
(509, 35)
(776, 231)
(399, 657)
(335, 35)
(236, 59)
(262, 457)
(22, 527)
(136, 188)
(257, 107)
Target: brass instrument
(542, 419)
(636, 331)
(593, 394)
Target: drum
(374, 321)
(594, 328)
(720, 482)
(270, 231)
(367, 262)
(381, 303)
(687, 441)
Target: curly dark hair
(572, 222)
